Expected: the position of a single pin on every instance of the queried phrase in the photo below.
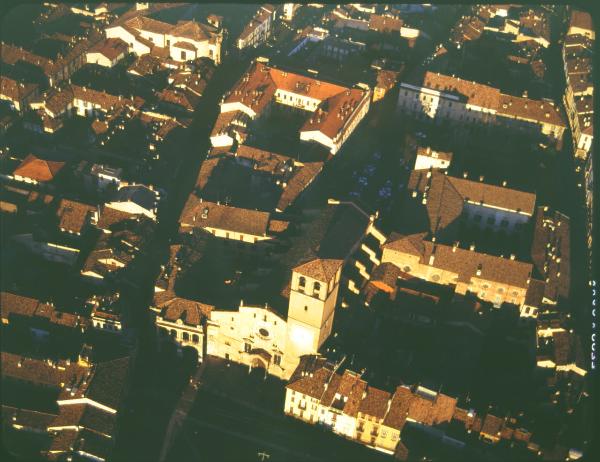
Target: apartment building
(344, 403)
(442, 98)
(333, 111)
(259, 29)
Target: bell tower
(313, 296)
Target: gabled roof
(205, 214)
(38, 169)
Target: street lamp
(263, 455)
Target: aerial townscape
(296, 232)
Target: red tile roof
(338, 104)
(38, 169)
(320, 269)
(476, 94)
(112, 48)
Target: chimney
(479, 267)
(465, 174)
(481, 178)
(512, 256)
(472, 247)
(504, 183)
(454, 247)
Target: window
(302, 282)
(316, 287)
(241, 237)
(277, 360)
(195, 338)
(173, 333)
(227, 235)
(226, 355)
(186, 336)
(305, 308)
(183, 55)
(247, 347)
(491, 220)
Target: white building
(136, 200)
(184, 41)
(440, 98)
(427, 158)
(289, 11)
(333, 111)
(259, 29)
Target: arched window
(163, 332)
(186, 336)
(317, 287)
(302, 282)
(173, 333)
(195, 338)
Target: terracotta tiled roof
(375, 403)
(381, 23)
(85, 415)
(261, 15)
(145, 64)
(446, 196)
(57, 101)
(38, 169)
(475, 94)
(182, 98)
(14, 90)
(581, 20)
(298, 182)
(550, 252)
(492, 426)
(311, 380)
(320, 269)
(411, 244)
(184, 45)
(41, 372)
(338, 104)
(204, 214)
(73, 215)
(149, 24)
(29, 419)
(112, 48)
(532, 110)
(109, 381)
(105, 100)
(190, 312)
(193, 30)
(109, 217)
(386, 79)
(278, 226)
